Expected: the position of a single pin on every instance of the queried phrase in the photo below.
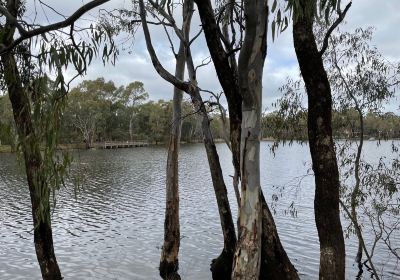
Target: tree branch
(334, 25)
(154, 59)
(27, 34)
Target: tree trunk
(275, 264)
(38, 188)
(251, 64)
(221, 267)
(228, 78)
(169, 263)
(131, 127)
(326, 202)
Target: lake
(113, 229)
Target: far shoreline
(82, 146)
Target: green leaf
(273, 30)
(274, 5)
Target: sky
(134, 64)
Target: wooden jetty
(123, 144)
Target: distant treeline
(345, 124)
(99, 111)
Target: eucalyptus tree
(36, 112)
(319, 124)
(89, 107)
(275, 263)
(131, 96)
(221, 266)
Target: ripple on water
(114, 228)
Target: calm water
(114, 229)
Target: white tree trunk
(251, 63)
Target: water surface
(113, 229)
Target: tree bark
(221, 267)
(275, 263)
(227, 76)
(169, 263)
(247, 261)
(326, 202)
(38, 188)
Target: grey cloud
(281, 60)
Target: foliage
(8, 134)
(99, 111)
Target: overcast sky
(280, 63)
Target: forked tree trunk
(38, 188)
(247, 261)
(273, 252)
(169, 263)
(326, 202)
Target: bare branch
(204, 62)
(154, 59)
(51, 8)
(170, 41)
(195, 37)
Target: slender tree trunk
(38, 188)
(326, 202)
(87, 143)
(251, 64)
(234, 105)
(131, 127)
(169, 264)
(221, 267)
(356, 191)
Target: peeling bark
(326, 202)
(272, 249)
(247, 261)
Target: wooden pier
(123, 144)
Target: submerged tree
(324, 162)
(169, 263)
(221, 268)
(37, 108)
(275, 263)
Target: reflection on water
(114, 229)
